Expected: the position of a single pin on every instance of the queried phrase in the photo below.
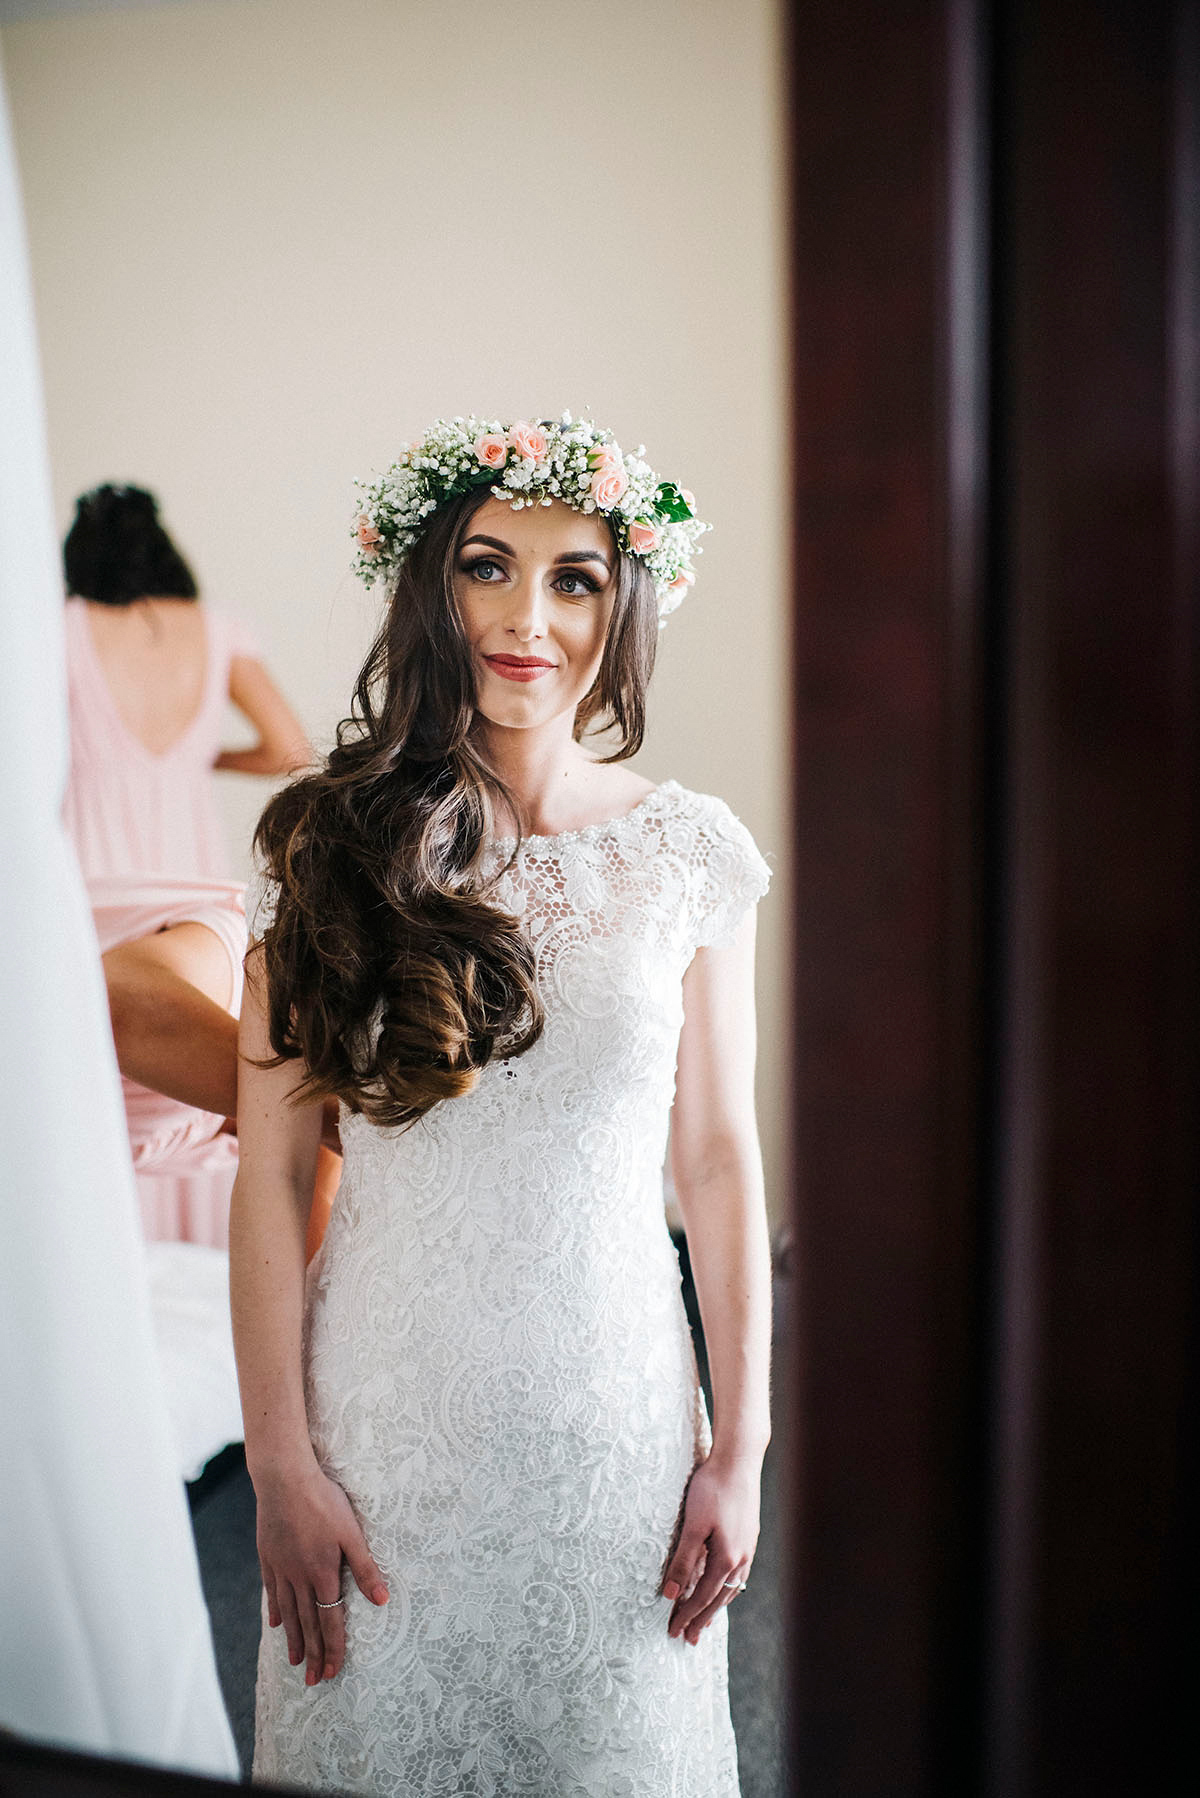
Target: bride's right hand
(306, 1529)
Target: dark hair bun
(109, 501)
(117, 551)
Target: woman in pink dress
(150, 671)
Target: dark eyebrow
(505, 549)
(584, 555)
(570, 555)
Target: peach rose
(683, 580)
(688, 497)
(492, 450)
(608, 485)
(642, 537)
(369, 538)
(606, 455)
(528, 441)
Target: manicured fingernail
(379, 1595)
(329, 1670)
(671, 1590)
(310, 1678)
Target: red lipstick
(518, 667)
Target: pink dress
(150, 844)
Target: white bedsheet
(189, 1303)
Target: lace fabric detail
(499, 1373)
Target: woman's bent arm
(718, 1180)
(306, 1526)
(282, 745)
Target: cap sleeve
(731, 876)
(243, 641)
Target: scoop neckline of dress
(156, 757)
(588, 833)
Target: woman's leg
(167, 995)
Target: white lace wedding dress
(499, 1373)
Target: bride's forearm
(266, 1283)
(728, 1246)
(279, 1135)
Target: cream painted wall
(272, 239)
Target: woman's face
(535, 591)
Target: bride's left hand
(716, 1543)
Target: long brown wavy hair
(392, 972)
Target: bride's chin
(512, 716)
(520, 711)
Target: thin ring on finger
(332, 1604)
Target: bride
(497, 1536)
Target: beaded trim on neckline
(590, 833)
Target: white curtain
(105, 1643)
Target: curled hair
(116, 550)
(391, 970)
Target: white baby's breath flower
(445, 463)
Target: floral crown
(526, 464)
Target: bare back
(154, 658)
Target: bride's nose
(527, 611)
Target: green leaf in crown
(670, 503)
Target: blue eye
(479, 570)
(582, 585)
